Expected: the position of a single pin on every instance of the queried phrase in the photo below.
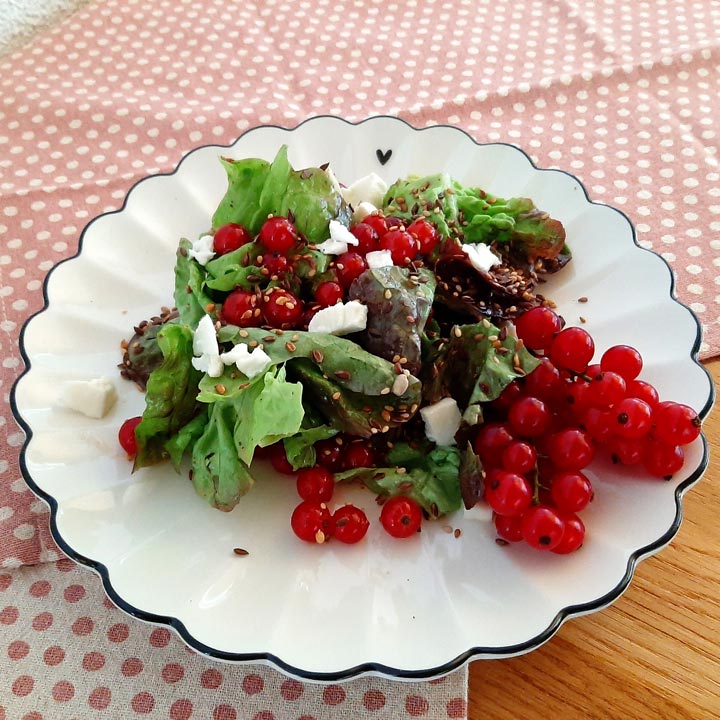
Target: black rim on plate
(369, 667)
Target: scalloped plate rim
(366, 668)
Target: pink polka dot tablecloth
(625, 95)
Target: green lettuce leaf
(190, 296)
(241, 204)
(170, 400)
(234, 269)
(299, 448)
(184, 439)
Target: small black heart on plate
(383, 157)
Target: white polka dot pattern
(624, 95)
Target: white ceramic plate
(414, 609)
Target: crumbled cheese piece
(340, 319)
(206, 349)
(340, 238)
(363, 210)
(481, 257)
(202, 249)
(371, 188)
(379, 258)
(249, 363)
(93, 398)
(472, 414)
(442, 420)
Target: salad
(391, 336)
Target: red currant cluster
(313, 522)
(282, 246)
(548, 426)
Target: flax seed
(290, 347)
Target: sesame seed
(336, 395)
(388, 295)
(385, 391)
(457, 332)
(220, 389)
(243, 333)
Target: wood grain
(655, 653)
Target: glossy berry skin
(572, 349)
(632, 418)
(606, 389)
(230, 237)
(126, 436)
(401, 516)
(357, 455)
(508, 493)
(529, 417)
(573, 536)
(316, 483)
(519, 457)
(509, 527)
(662, 460)
(281, 309)
(426, 235)
(675, 424)
(350, 523)
(624, 360)
(571, 491)
(328, 293)
(241, 308)
(312, 522)
(599, 424)
(402, 246)
(349, 265)
(274, 265)
(377, 222)
(643, 390)
(367, 235)
(570, 449)
(545, 383)
(278, 234)
(537, 327)
(542, 527)
(329, 454)
(507, 397)
(491, 440)
(627, 451)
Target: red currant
(675, 424)
(491, 440)
(230, 237)
(643, 390)
(281, 309)
(278, 459)
(351, 524)
(329, 453)
(312, 522)
(357, 454)
(529, 417)
(661, 459)
(542, 527)
(507, 397)
(508, 527)
(401, 516)
(573, 536)
(367, 235)
(349, 266)
(571, 490)
(508, 493)
(537, 327)
(624, 360)
(426, 235)
(570, 449)
(126, 436)
(241, 308)
(577, 395)
(572, 349)
(633, 418)
(274, 265)
(402, 246)
(328, 293)
(627, 451)
(606, 389)
(377, 222)
(519, 457)
(316, 483)
(278, 234)
(599, 424)
(545, 383)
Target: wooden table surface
(655, 653)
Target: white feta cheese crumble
(481, 256)
(363, 210)
(340, 319)
(202, 249)
(340, 238)
(371, 189)
(250, 363)
(379, 258)
(333, 180)
(206, 349)
(442, 420)
(93, 398)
